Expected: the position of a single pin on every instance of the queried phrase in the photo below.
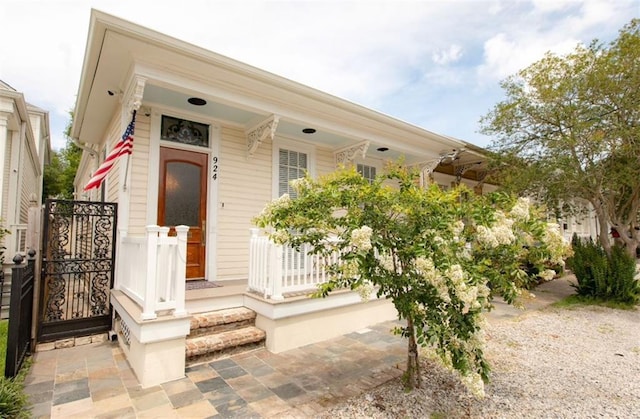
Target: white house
(216, 139)
(24, 150)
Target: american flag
(124, 146)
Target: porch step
(222, 333)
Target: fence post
(13, 335)
(181, 270)
(149, 307)
(253, 260)
(275, 273)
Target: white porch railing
(152, 270)
(275, 269)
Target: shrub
(13, 400)
(599, 275)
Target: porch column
(4, 132)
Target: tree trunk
(605, 240)
(412, 376)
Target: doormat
(199, 285)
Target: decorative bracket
(259, 133)
(427, 168)
(482, 175)
(462, 169)
(132, 97)
(347, 154)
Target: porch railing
(152, 270)
(275, 270)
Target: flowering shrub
(439, 256)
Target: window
(367, 172)
(184, 132)
(290, 161)
(291, 165)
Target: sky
(434, 64)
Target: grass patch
(4, 330)
(575, 301)
(13, 400)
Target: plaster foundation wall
(296, 331)
(156, 363)
(155, 349)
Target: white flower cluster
(500, 233)
(457, 229)
(361, 238)
(474, 383)
(300, 184)
(556, 244)
(547, 274)
(520, 210)
(282, 202)
(279, 237)
(387, 262)
(468, 294)
(350, 269)
(428, 271)
(365, 290)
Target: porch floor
(96, 380)
(224, 289)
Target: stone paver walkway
(95, 381)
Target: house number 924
(215, 168)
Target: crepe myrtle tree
(439, 256)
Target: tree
(59, 174)
(569, 129)
(438, 255)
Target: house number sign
(215, 168)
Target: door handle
(203, 233)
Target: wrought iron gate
(78, 253)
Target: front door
(182, 200)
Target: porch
(154, 306)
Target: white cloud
(533, 33)
(384, 54)
(448, 56)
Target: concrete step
(222, 333)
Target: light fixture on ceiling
(196, 101)
(382, 149)
(309, 130)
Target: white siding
(138, 177)
(244, 188)
(114, 134)
(30, 182)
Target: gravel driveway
(547, 363)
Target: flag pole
(126, 170)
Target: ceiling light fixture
(196, 101)
(309, 130)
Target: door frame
(153, 178)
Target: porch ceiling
(287, 128)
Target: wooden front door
(182, 200)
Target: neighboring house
(583, 222)
(24, 150)
(215, 140)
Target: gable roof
(117, 48)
